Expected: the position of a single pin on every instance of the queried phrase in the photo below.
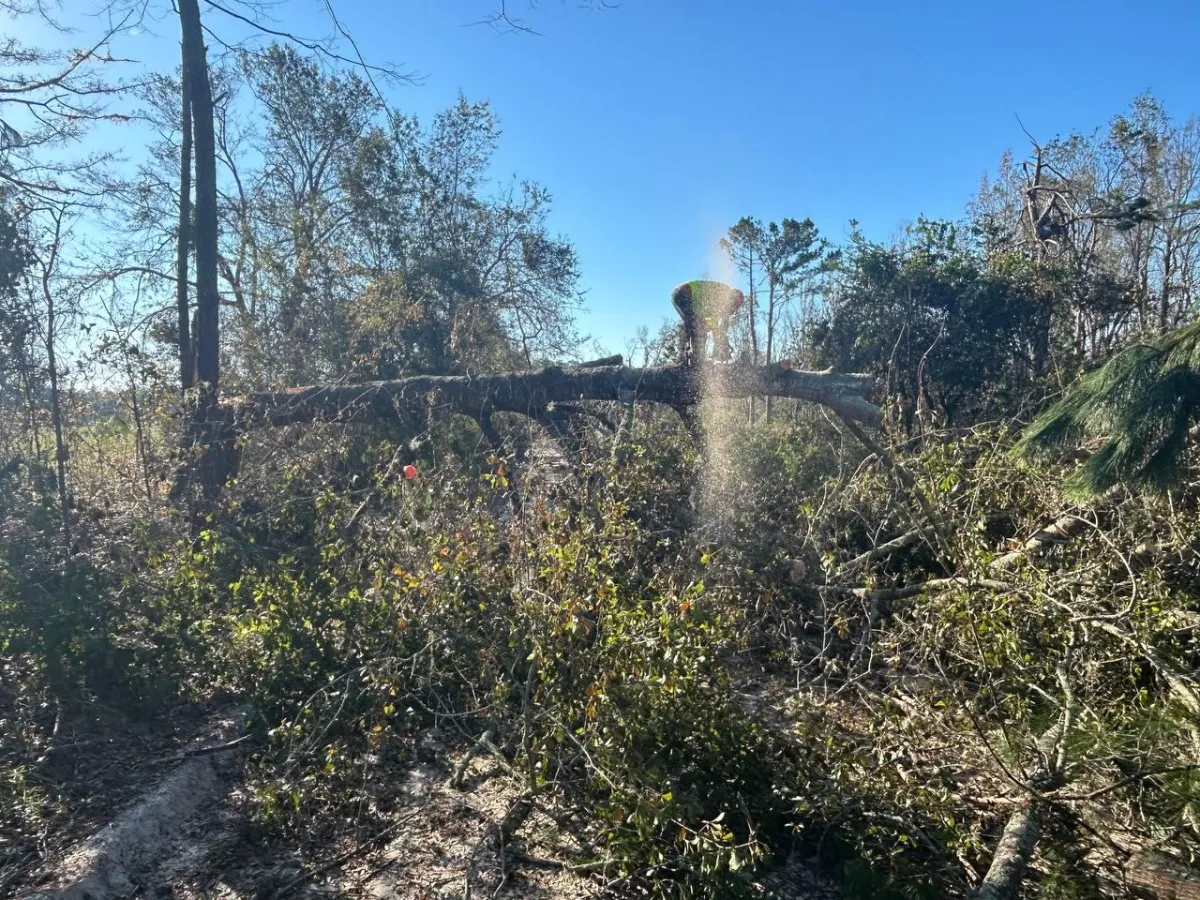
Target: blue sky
(659, 123)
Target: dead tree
(1055, 216)
(1049, 210)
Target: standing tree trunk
(215, 461)
(750, 302)
(60, 444)
(199, 91)
(187, 357)
(1164, 313)
(771, 302)
(207, 426)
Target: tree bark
(199, 90)
(752, 305)
(1163, 878)
(1024, 828)
(1061, 531)
(187, 359)
(532, 392)
(1004, 875)
(208, 431)
(770, 357)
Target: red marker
(410, 471)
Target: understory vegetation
(891, 654)
(704, 704)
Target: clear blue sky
(659, 123)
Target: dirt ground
(173, 826)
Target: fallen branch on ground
(878, 595)
(344, 858)
(1060, 531)
(215, 748)
(484, 743)
(539, 862)
(885, 549)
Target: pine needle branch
(1143, 403)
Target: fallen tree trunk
(1163, 878)
(1005, 874)
(534, 392)
(1023, 829)
(140, 845)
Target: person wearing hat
(706, 307)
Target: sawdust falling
(719, 464)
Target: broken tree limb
(456, 780)
(881, 550)
(1061, 531)
(531, 392)
(1024, 828)
(932, 519)
(883, 595)
(1004, 876)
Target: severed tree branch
(881, 550)
(1060, 531)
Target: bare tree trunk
(187, 358)
(770, 339)
(1164, 313)
(32, 427)
(750, 304)
(142, 444)
(207, 425)
(1004, 875)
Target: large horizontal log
(532, 392)
(1163, 878)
